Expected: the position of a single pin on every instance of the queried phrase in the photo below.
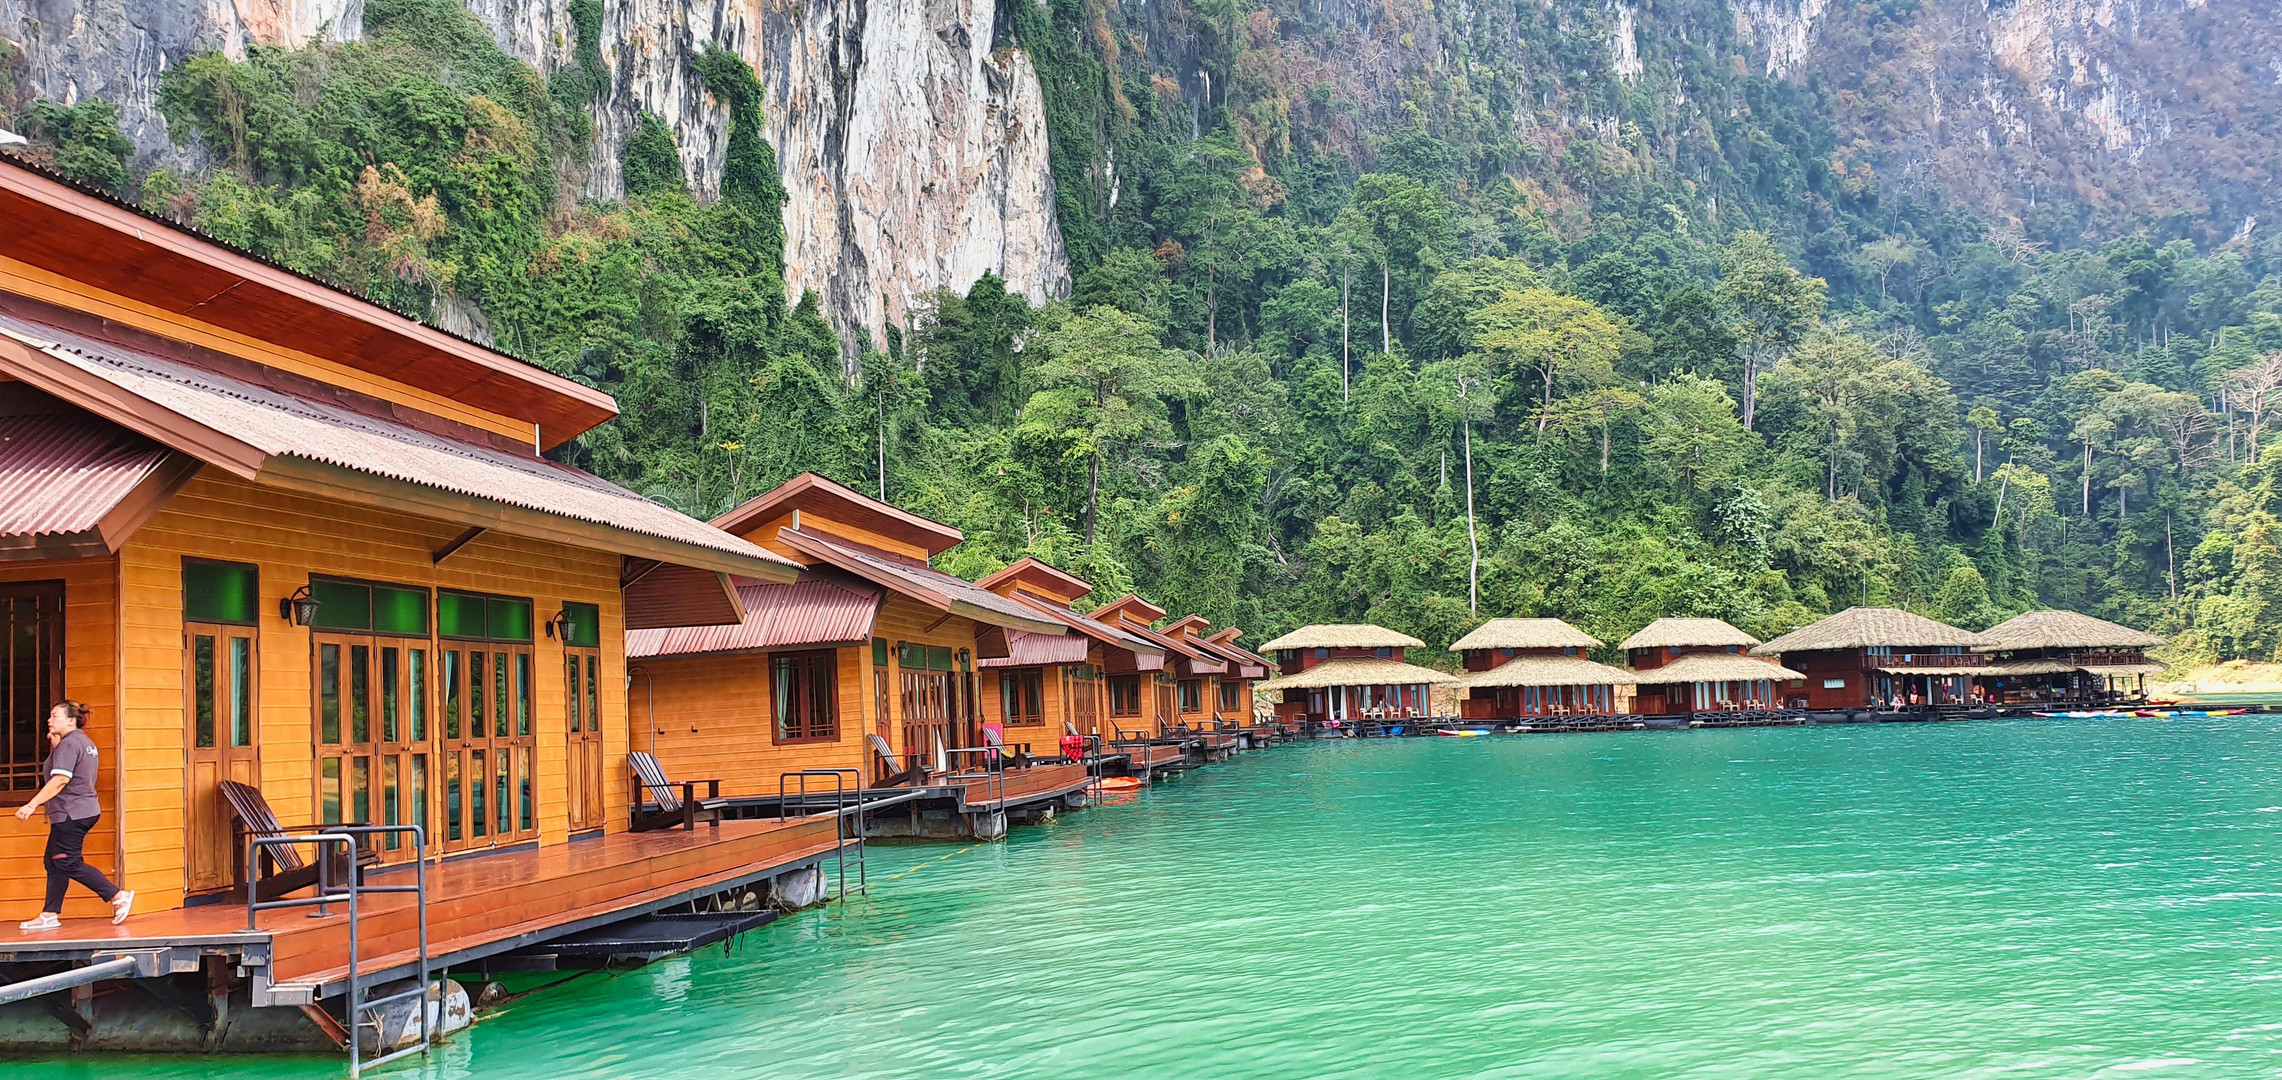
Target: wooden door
(582, 706)
(342, 682)
(222, 667)
(926, 716)
(486, 752)
(403, 748)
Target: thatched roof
(1525, 634)
(1343, 636)
(1680, 633)
(2055, 629)
(1714, 667)
(1354, 672)
(1864, 627)
(2009, 668)
(1548, 671)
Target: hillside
(1283, 310)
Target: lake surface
(2041, 898)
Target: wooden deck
(1154, 757)
(1034, 784)
(477, 906)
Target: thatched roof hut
(1687, 634)
(1872, 627)
(1713, 668)
(1343, 636)
(1547, 671)
(1355, 671)
(2056, 629)
(1525, 634)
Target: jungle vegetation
(1417, 366)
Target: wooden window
(1192, 695)
(804, 691)
(1022, 696)
(31, 682)
(488, 751)
(1125, 695)
(1230, 698)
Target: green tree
(1771, 305)
(1105, 380)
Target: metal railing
(1094, 769)
(993, 777)
(330, 892)
(840, 826)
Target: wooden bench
(889, 774)
(288, 872)
(660, 803)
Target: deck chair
(660, 803)
(287, 871)
(889, 774)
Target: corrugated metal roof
(278, 424)
(1025, 649)
(807, 612)
(924, 582)
(1111, 636)
(61, 473)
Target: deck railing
(330, 892)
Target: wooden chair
(890, 776)
(288, 871)
(659, 803)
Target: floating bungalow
(1336, 673)
(1686, 666)
(1534, 667)
(1870, 657)
(305, 560)
(1105, 690)
(1242, 705)
(2063, 656)
(869, 661)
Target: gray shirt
(74, 757)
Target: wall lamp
(563, 626)
(300, 609)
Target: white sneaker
(121, 905)
(46, 921)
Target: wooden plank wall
(289, 537)
(90, 665)
(715, 720)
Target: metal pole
(65, 980)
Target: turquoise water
(2016, 899)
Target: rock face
(912, 145)
(911, 142)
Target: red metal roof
(1147, 655)
(808, 612)
(261, 433)
(923, 583)
(62, 473)
(1025, 649)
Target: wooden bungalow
(2063, 656)
(1103, 691)
(276, 535)
(1866, 657)
(1333, 674)
(1221, 709)
(1534, 667)
(868, 645)
(1701, 665)
(1242, 706)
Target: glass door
(489, 790)
(371, 654)
(582, 702)
(223, 671)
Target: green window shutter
(341, 605)
(459, 615)
(586, 626)
(510, 620)
(219, 592)
(400, 611)
(879, 652)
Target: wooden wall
(715, 720)
(290, 537)
(90, 666)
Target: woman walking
(69, 796)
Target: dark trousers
(65, 866)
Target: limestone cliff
(912, 143)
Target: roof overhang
(837, 502)
(224, 450)
(940, 599)
(83, 237)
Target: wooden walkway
(478, 905)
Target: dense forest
(1529, 333)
